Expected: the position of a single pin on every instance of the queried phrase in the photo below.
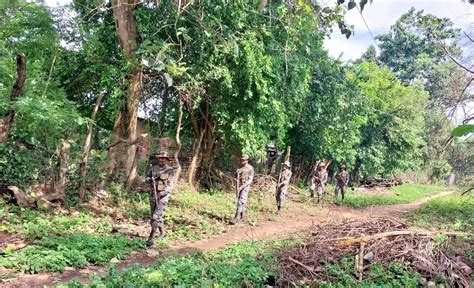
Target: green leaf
(362, 4)
(463, 130)
(169, 80)
(351, 4)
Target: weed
(405, 193)
(451, 212)
(76, 250)
(249, 263)
(395, 275)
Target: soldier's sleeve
(169, 182)
(324, 177)
(347, 179)
(249, 180)
(148, 174)
(287, 178)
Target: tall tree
(122, 153)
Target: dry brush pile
(376, 241)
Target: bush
(76, 250)
(244, 264)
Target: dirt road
(288, 223)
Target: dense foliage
(247, 76)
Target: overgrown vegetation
(405, 193)
(77, 237)
(247, 263)
(450, 212)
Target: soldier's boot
(162, 231)
(235, 219)
(149, 241)
(279, 208)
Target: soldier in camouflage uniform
(243, 178)
(318, 181)
(342, 179)
(282, 186)
(161, 176)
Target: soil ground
(290, 222)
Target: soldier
(318, 181)
(161, 176)
(342, 179)
(243, 178)
(282, 186)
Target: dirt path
(290, 222)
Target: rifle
(237, 188)
(154, 185)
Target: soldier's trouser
(281, 195)
(157, 210)
(241, 202)
(341, 188)
(320, 190)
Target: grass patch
(76, 250)
(77, 238)
(198, 215)
(402, 194)
(450, 212)
(246, 264)
(396, 275)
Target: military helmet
(343, 166)
(244, 157)
(322, 164)
(287, 163)
(162, 154)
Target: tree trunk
(195, 161)
(121, 156)
(87, 146)
(178, 139)
(7, 120)
(60, 184)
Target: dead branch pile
(381, 183)
(264, 184)
(377, 241)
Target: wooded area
(247, 74)
(90, 90)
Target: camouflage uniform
(244, 176)
(164, 183)
(318, 182)
(282, 187)
(342, 179)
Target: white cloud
(381, 14)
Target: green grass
(246, 264)
(450, 212)
(402, 194)
(76, 250)
(198, 215)
(78, 238)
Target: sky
(381, 14)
